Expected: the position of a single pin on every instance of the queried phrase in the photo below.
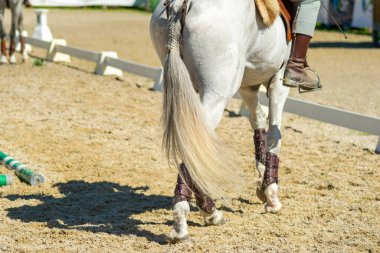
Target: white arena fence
(80, 3)
(107, 63)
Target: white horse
(217, 47)
(16, 7)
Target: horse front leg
(14, 6)
(12, 50)
(277, 97)
(4, 59)
(20, 28)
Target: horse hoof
(216, 218)
(275, 208)
(178, 237)
(25, 56)
(260, 192)
(273, 204)
(12, 59)
(4, 60)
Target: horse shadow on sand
(95, 207)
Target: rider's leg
(303, 29)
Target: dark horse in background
(16, 7)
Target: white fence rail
(332, 115)
(299, 107)
(78, 53)
(77, 3)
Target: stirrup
(302, 89)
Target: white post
(42, 31)
(377, 150)
(103, 69)
(158, 81)
(53, 56)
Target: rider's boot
(295, 72)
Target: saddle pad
(270, 9)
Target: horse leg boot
(4, 59)
(210, 214)
(181, 207)
(259, 138)
(270, 183)
(12, 50)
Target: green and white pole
(21, 170)
(5, 180)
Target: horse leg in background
(20, 29)
(257, 118)
(277, 97)
(3, 59)
(14, 24)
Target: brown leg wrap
(259, 140)
(184, 188)
(271, 170)
(12, 47)
(182, 191)
(22, 43)
(3, 47)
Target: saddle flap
(270, 9)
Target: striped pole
(5, 180)
(21, 170)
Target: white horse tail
(187, 136)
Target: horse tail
(187, 136)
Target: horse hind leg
(181, 207)
(210, 214)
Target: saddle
(270, 9)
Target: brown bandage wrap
(271, 170)
(3, 47)
(182, 191)
(12, 47)
(259, 141)
(185, 187)
(22, 43)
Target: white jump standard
(21, 170)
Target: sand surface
(97, 140)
